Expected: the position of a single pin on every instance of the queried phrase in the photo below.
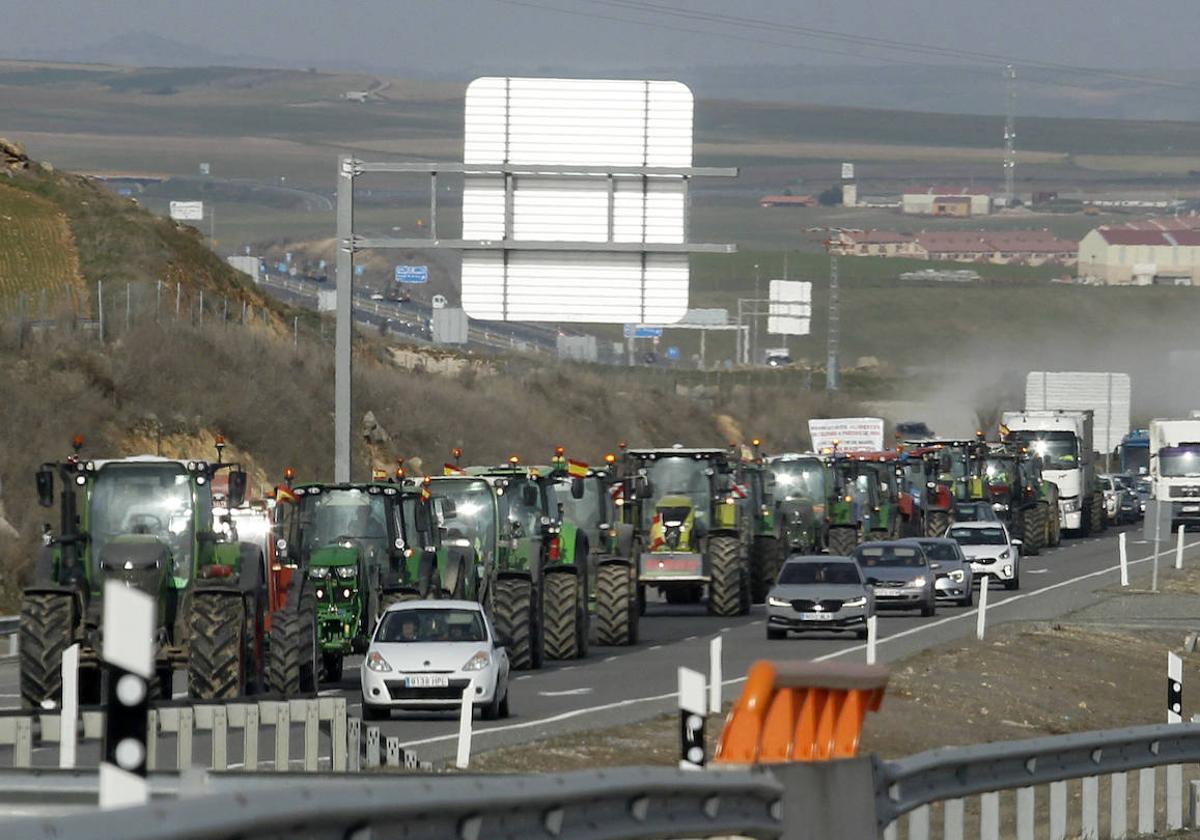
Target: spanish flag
(283, 493)
(577, 469)
(452, 469)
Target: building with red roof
(1142, 253)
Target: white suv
(991, 550)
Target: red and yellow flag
(577, 469)
(452, 469)
(283, 493)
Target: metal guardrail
(634, 802)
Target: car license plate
(427, 681)
(1191, 508)
(816, 616)
(888, 593)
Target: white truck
(1175, 468)
(1063, 440)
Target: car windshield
(978, 536)
(683, 476)
(799, 479)
(1176, 461)
(431, 625)
(820, 572)
(889, 555)
(1058, 450)
(349, 514)
(940, 552)
(467, 511)
(153, 499)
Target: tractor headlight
(376, 662)
(478, 662)
(320, 594)
(318, 572)
(778, 602)
(346, 572)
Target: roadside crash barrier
(800, 711)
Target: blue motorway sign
(358, 271)
(672, 353)
(412, 274)
(642, 331)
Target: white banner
(187, 211)
(851, 434)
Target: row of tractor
(272, 594)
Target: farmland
(37, 251)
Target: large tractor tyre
(616, 619)
(842, 541)
(47, 624)
(1085, 516)
(1035, 530)
(769, 552)
(332, 667)
(937, 524)
(217, 660)
(1098, 523)
(514, 620)
(562, 612)
(727, 590)
(293, 666)
(1054, 526)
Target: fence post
(157, 299)
(128, 306)
(283, 731)
(201, 318)
(99, 307)
(338, 738)
(394, 758)
(296, 332)
(354, 745)
(224, 311)
(312, 735)
(178, 298)
(220, 738)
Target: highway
(619, 685)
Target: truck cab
(1175, 468)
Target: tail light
(555, 548)
(216, 570)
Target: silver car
(993, 552)
(953, 578)
(819, 592)
(900, 575)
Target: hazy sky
(449, 36)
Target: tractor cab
(799, 499)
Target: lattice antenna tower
(1010, 134)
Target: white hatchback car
(424, 653)
(991, 550)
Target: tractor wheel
(842, 541)
(562, 610)
(938, 523)
(514, 621)
(47, 624)
(616, 620)
(331, 667)
(293, 668)
(1035, 530)
(769, 554)
(1098, 513)
(1055, 525)
(217, 662)
(1085, 516)
(727, 593)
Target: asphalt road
(619, 685)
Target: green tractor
(768, 548)
(1010, 480)
(692, 530)
(858, 506)
(146, 522)
(361, 547)
(800, 499)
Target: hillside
(37, 250)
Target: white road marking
(568, 668)
(609, 658)
(652, 647)
(635, 701)
(690, 638)
(1036, 571)
(522, 677)
(569, 692)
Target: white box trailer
(1106, 395)
(1175, 468)
(1063, 440)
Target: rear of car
(990, 549)
(974, 512)
(953, 578)
(818, 593)
(899, 574)
(425, 653)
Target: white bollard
(1174, 687)
(1124, 560)
(872, 630)
(467, 710)
(68, 730)
(691, 719)
(1179, 550)
(129, 660)
(981, 617)
(715, 675)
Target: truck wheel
(1035, 530)
(292, 666)
(842, 541)
(769, 554)
(614, 602)
(1085, 516)
(217, 657)
(937, 524)
(47, 624)
(726, 589)
(514, 620)
(331, 667)
(562, 609)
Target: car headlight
(855, 602)
(1070, 505)
(777, 602)
(478, 662)
(345, 572)
(1004, 555)
(318, 572)
(958, 576)
(917, 582)
(376, 662)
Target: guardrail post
(23, 743)
(1118, 805)
(827, 799)
(184, 738)
(250, 738)
(1058, 811)
(151, 740)
(1090, 808)
(283, 731)
(918, 823)
(220, 738)
(1026, 803)
(1146, 801)
(372, 747)
(1195, 799)
(394, 757)
(337, 736)
(354, 745)
(952, 819)
(1174, 784)
(312, 735)
(989, 815)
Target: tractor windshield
(348, 515)
(468, 513)
(799, 479)
(681, 477)
(587, 512)
(999, 471)
(156, 499)
(1178, 461)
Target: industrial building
(1141, 255)
(959, 202)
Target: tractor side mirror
(424, 521)
(644, 488)
(576, 488)
(45, 487)
(530, 496)
(236, 493)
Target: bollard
(714, 675)
(1179, 549)
(354, 745)
(372, 747)
(691, 719)
(465, 713)
(981, 617)
(1124, 560)
(395, 756)
(68, 732)
(872, 637)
